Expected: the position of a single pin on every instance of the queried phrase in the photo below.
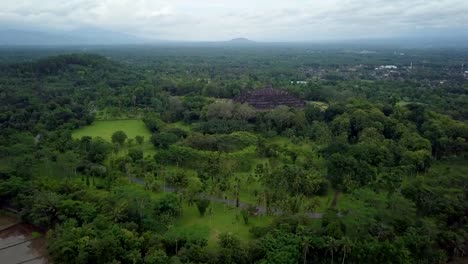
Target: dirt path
(261, 210)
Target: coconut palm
(333, 246)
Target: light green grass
(402, 103)
(222, 219)
(105, 129)
(131, 127)
(322, 105)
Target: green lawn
(105, 129)
(222, 219)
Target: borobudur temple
(269, 98)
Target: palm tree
(237, 187)
(345, 246)
(333, 246)
(305, 246)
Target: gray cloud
(220, 19)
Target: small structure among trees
(269, 98)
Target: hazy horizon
(265, 21)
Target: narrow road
(261, 210)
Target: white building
(387, 67)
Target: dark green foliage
(111, 243)
(139, 140)
(214, 126)
(164, 139)
(231, 250)
(156, 256)
(281, 247)
(294, 180)
(177, 155)
(245, 216)
(332, 226)
(169, 205)
(225, 143)
(97, 150)
(180, 133)
(313, 113)
(135, 154)
(119, 137)
(153, 122)
(202, 142)
(202, 205)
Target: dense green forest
(139, 155)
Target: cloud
(220, 19)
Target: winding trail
(261, 210)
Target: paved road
(19, 244)
(261, 210)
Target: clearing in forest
(105, 129)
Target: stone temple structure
(269, 98)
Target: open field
(221, 219)
(105, 129)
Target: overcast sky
(263, 20)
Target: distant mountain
(83, 36)
(241, 40)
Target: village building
(387, 67)
(299, 82)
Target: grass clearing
(322, 105)
(222, 219)
(105, 129)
